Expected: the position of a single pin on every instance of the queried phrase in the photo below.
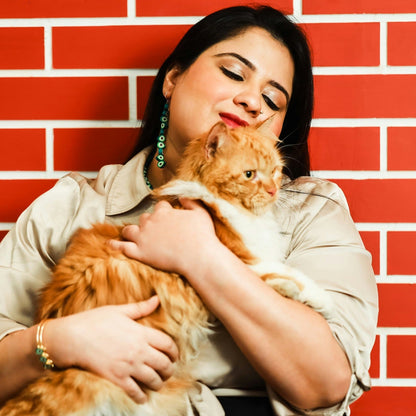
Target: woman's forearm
(289, 344)
(19, 364)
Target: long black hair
(227, 23)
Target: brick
(398, 247)
(89, 149)
(386, 401)
(16, 195)
(66, 98)
(344, 44)
(400, 43)
(22, 149)
(371, 240)
(397, 305)
(21, 48)
(362, 6)
(63, 8)
(365, 96)
(144, 85)
(401, 361)
(401, 148)
(114, 46)
(380, 200)
(375, 359)
(352, 148)
(2, 234)
(196, 8)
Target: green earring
(161, 140)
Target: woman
(240, 65)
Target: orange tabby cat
(236, 173)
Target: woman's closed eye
(234, 75)
(270, 102)
(231, 74)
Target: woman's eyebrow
(245, 61)
(250, 65)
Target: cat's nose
(272, 191)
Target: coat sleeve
(326, 246)
(35, 243)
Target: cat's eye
(250, 174)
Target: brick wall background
(74, 77)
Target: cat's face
(243, 166)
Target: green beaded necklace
(145, 170)
(160, 145)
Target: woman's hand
(170, 239)
(107, 341)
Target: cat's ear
(215, 139)
(266, 128)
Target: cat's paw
(285, 287)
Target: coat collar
(128, 187)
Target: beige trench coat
(320, 240)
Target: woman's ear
(169, 83)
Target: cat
(236, 174)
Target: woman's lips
(232, 120)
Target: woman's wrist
(41, 349)
(58, 340)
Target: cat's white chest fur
(261, 236)
(260, 233)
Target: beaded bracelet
(41, 349)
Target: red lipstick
(231, 120)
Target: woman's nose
(250, 101)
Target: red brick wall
(74, 76)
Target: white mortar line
(98, 73)
(394, 382)
(383, 357)
(386, 226)
(133, 98)
(383, 253)
(131, 10)
(364, 122)
(363, 174)
(297, 11)
(393, 279)
(383, 46)
(383, 148)
(101, 21)
(35, 124)
(49, 150)
(48, 47)
(364, 70)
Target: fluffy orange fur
(240, 165)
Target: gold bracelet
(41, 349)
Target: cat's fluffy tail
(70, 392)
(75, 392)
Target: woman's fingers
(162, 342)
(140, 309)
(133, 390)
(191, 203)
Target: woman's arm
(290, 345)
(106, 341)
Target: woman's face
(241, 81)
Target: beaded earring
(161, 140)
